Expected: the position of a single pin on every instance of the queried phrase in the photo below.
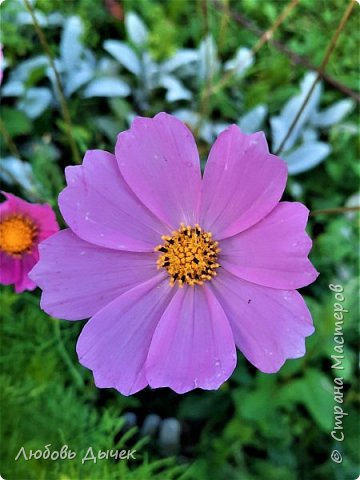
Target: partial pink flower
(175, 269)
(23, 226)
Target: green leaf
(315, 392)
(16, 122)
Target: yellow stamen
(17, 234)
(189, 255)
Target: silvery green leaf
(71, 47)
(24, 69)
(108, 126)
(207, 132)
(35, 101)
(219, 127)
(12, 89)
(77, 78)
(136, 29)
(348, 127)
(130, 117)
(309, 135)
(51, 75)
(55, 19)
(352, 201)
(107, 87)
(193, 120)
(24, 18)
(12, 168)
(306, 157)
(150, 425)
(89, 57)
(243, 60)
(169, 436)
(278, 131)
(3, 61)
(107, 66)
(130, 420)
(290, 111)
(124, 55)
(295, 189)
(175, 89)
(208, 59)
(253, 120)
(181, 58)
(334, 114)
(150, 72)
(187, 116)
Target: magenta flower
(22, 226)
(176, 269)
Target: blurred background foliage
(119, 58)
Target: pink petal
(24, 282)
(43, 215)
(242, 183)
(159, 160)
(274, 251)
(79, 278)
(14, 271)
(193, 344)
(100, 207)
(115, 342)
(10, 269)
(269, 325)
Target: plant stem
(63, 104)
(322, 67)
(204, 104)
(327, 211)
(7, 137)
(265, 37)
(295, 58)
(65, 356)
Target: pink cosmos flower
(22, 226)
(176, 269)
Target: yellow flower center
(189, 255)
(17, 234)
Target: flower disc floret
(17, 235)
(189, 255)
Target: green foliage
(255, 426)
(47, 398)
(16, 122)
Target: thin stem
(265, 37)
(327, 211)
(322, 67)
(63, 104)
(65, 356)
(295, 58)
(9, 141)
(204, 104)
